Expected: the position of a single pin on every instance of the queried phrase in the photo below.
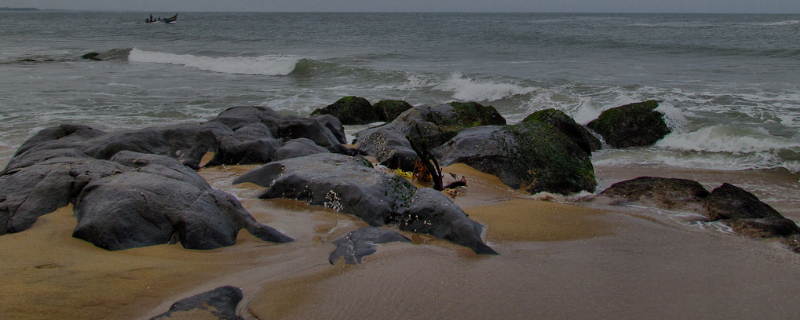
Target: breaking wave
(270, 65)
(468, 89)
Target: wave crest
(725, 138)
(467, 89)
(270, 65)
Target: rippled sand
(556, 261)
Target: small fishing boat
(164, 20)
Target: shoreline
(541, 243)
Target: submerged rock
(219, 303)
(362, 242)
(533, 156)
(564, 123)
(631, 125)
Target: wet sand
(556, 261)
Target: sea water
(728, 83)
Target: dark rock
(156, 200)
(533, 156)
(250, 144)
(219, 303)
(764, 228)
(664, 193)
(392, 108)
(388, 143)
(187, 143)
(346, 184)
(362, 242)
(390, 147)
(350, 185)
(92, 56)
(731, 202)
(636, 124)
(292, 127)
(64, 132)
(298, 148)
(129, 201)
(433, 213)
(564, 123)
(237, 117)
(30, 192)
(333, 124)
(353, 110)
(113, 54)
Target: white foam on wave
(270, 65)
(778, 23)
(692, 160)
(468, 89)
(726, 138)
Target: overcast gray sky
(698, 6)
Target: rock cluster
(729, 204)
(357, 110)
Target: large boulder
(352, 186)
(731, 202)
(237, 117)
(250, 144)
(631, 125)
(564, 123)
(298, 148)
(362, 242)
(128, 201)
(731, 205)
(219, 304)
(187, 143)
(353, 110)
(745, 213)
(431, 212)
(260, 132)
(27, 193)
(533, 156)
(346, 184)
(436, 125)
(667, 193)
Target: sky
(655, 6)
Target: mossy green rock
(533, 156)
(567, 126)
(631, 125)
(473, 114)
(392, 108)
(353, 111)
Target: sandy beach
(557, 260)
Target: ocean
(728, 83)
